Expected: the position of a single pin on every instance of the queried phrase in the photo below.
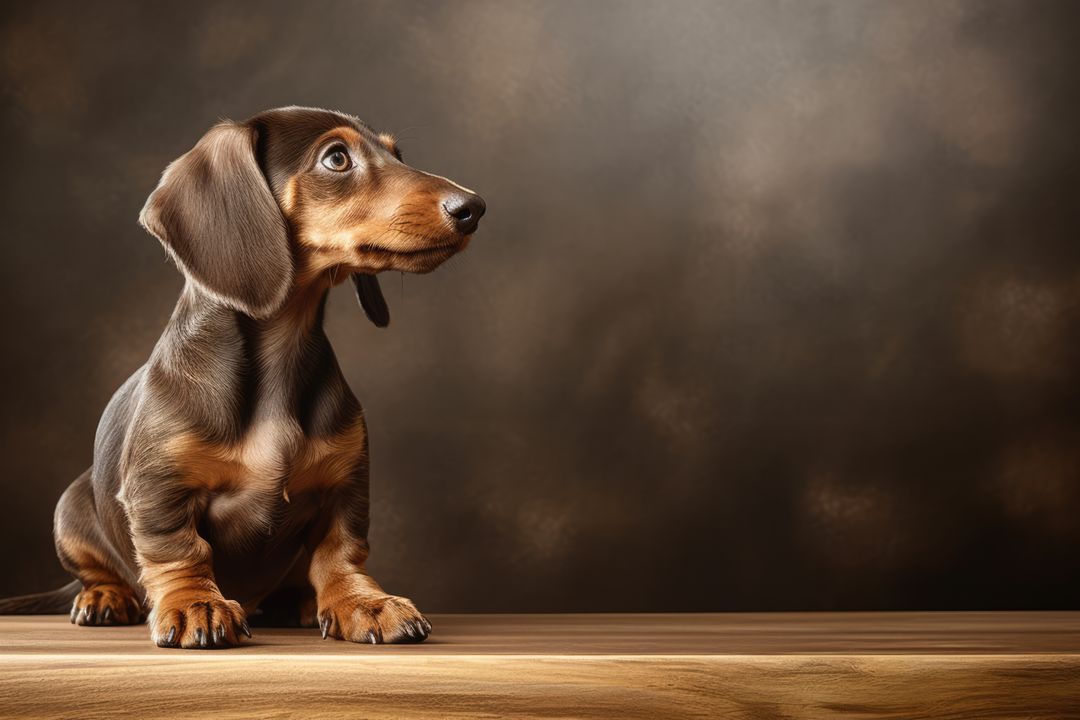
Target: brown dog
(231, 471)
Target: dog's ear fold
(371, 299)
(214, 213)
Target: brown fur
(231, 471)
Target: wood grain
(902, 665)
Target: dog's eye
(337, 159)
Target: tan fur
(83, 554)
(398, 221)
(388, 141)
(352, 605)
(271, 448)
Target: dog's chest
(277, 451)
(277, 481)
(274, 469)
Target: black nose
(465, 210)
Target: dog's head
(298, 193)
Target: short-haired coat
(230, 472)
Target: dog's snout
(465, 211)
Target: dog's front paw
(373, 619)
(106, 605)
(188, 621)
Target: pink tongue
(371, 299)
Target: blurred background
(775, 305)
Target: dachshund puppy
(231, 471)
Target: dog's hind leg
(106, 597)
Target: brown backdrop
(775, 305)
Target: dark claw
(410, 629)
(171, 636)
(325, 624)
(89, 615)
(200, 637)
(427, 627)
(245, 629)
(107, 615)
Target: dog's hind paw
(106, 604)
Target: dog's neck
(243, 366)
(299, 318)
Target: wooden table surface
(896, 665)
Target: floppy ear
(214, 213)
(371, 299)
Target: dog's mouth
(422, 255)
(418, 252)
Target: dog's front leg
(187, 608)
(351, 605)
